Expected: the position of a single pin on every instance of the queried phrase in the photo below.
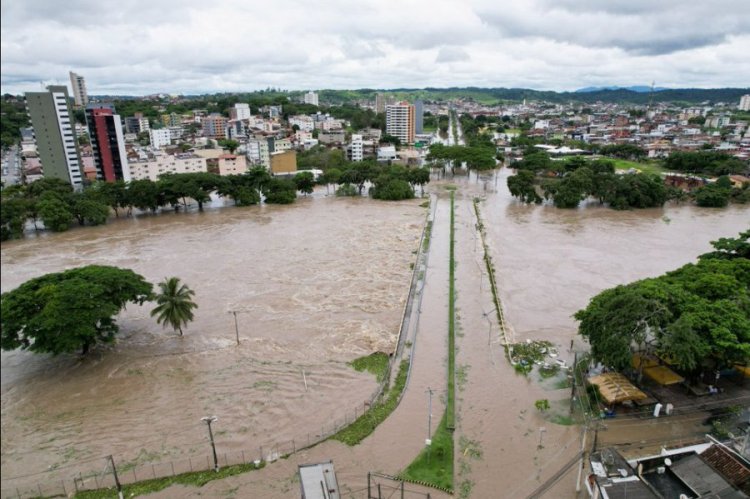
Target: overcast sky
(140, 47)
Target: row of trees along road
(698, 316)
(570, 181)
(389, 182)
(57, 205)
(73, 310)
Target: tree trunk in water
(200, 205)
(85, 348)
(179, 329)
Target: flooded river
(315, 285)
(551, 262)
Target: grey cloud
(452, 54)
(637, 27)
(360, 49)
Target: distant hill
(637, 88)
(489, 96)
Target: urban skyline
(136, 49)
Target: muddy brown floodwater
(315, 284)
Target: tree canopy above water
(63, 312)
(696, 313)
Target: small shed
(318, 481)
(657, 372)
(616, 388)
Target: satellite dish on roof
(667, 462)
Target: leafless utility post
(208, 420)
(117, 480)
(428, 441)
(236, 326)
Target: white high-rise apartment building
(745, 102)
(357, 148)
(399, 121)
(160, 137)
(241, 111)
(311, 98)
(80, 94)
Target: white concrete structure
(160, 137)
(241, 111)
(745, 103)
(305, 123)
(311, 98)
(258, 152)
(161, 163)
(281, 145)
(387, 153)
(356, 148)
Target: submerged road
(501, 442)
(399, 439)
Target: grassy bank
(450, 406)
(434, 465)
(366, 423)
(196, 479)
(645, 167)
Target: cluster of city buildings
(660, 129)
(135, 147)
(115, 147)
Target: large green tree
(522, 186)
(699, 313)
(174, 304)
(67, 311)
(305, 182)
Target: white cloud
(191, 46)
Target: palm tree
(174, 304)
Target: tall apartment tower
(56, 142)
(214, 126)
(380, 103)
(399, 121)
(745, 103)
(311, 98)
(78, 84)
(105, 132)
(418, 116)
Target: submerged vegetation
(364, 425)
(376, 364)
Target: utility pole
(428, 441)
(236, 326)
(208, 420)
(117, 480)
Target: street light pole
(208, 420)
(429, 424)
(429, 413)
